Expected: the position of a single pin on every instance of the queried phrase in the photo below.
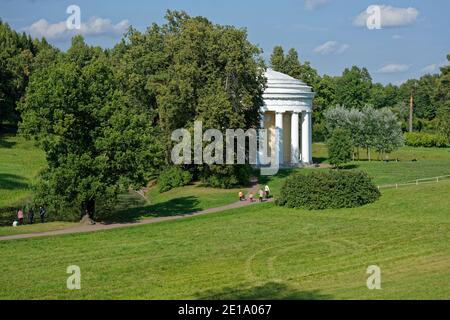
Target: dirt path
(101, 227)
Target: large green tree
(353, 88)
(16, 58)
(442, 99)
(290, 64)
(96, 144)
(190, 69)
(277, 59)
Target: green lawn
(430, 162)
(177, 201)
(20, 162)
(261, 251)
(35, 228)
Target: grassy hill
(20, 162)
(257, 252)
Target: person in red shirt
(20, 216)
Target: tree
(96, 145)
(277, 59)
(336, 118)
(340, 148)
(423, 91)
(325, 97)
(353, 88)
(292, 65)
(16, 58)
(370, 123)
(355, 125)
(369, 128)
(190, 69)
(389, 136)
(309, 75)
(442, 99)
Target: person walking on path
(241, 196)
(42, 214)
(250, 197)
(267, 191)
(261, 195)
(31, 216)
(20, 216)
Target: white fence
(415, 182)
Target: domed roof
(282, 86)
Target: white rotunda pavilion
(288, 109)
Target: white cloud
(430, 68)
(397, 37)
(95, 26)
(394, 68)
(390, 17)
(331, 47)
(314, 4)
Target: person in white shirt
(267, 191)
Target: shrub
(225, 177)
(416, 139)
(323, 190)
(319, 132)
(172, 178)
(340, 148)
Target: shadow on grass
(267, 291)
(350, 166)
(12, 181)
(319, 160)
(6, 144)
(174, 207)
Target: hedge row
(418, 139)
(328, 190)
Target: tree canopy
(96, 144)
(104, 117)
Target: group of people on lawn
(20, 215)
(264, 193)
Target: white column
(279, 136)
(261, 148)
(306, 138)
(295, 152)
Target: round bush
(328, 190)
(172, 178)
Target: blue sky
(414, 39)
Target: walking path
(101, 227)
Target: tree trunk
(90, 206)
(88, 209)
